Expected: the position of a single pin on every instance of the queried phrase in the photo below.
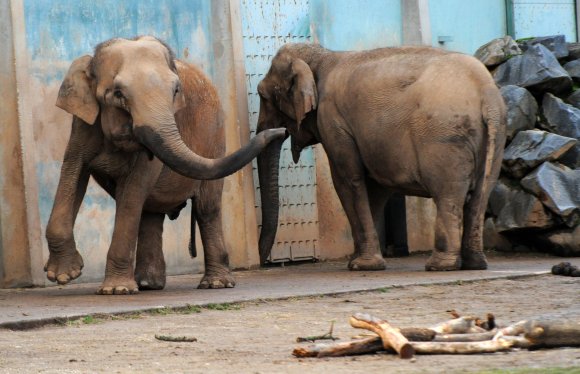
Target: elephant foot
(217, 281)
(118, 286)
(150, 278)
(63, 267)
(442, 261)
(473, 260)
(367, 262)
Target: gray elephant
(149, 129)
(416, 120)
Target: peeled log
(460, 325)
(355, 347)
(474, 337)
(391, 337)
(545, 333)
(488, 346)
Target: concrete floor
(25, 308)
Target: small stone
(537, 70)
(522, 109)
(497, 51)
(531, 148)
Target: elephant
(149, 129)
(415, 120)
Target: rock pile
(536, 202)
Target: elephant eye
(118, 94)
(176, 91)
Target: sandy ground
(258, 337)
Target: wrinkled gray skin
(415, 120)
(149, 129)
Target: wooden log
(512, 330)
(460, 325)
(488, 346)
(355, 347)
(552, 333)
(391, 337)
(516, 341)
(475, 337)
(418, 334)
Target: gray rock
(573, 51)
(573, 69)
(497, 51)
(563, 119)
(558, 188)
(522, 109)
(537, 70)
(574, 99)
(514, 209)
(564, 242)
(556, 44)
(493, 239)
(531, 148)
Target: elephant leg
(208, 213)
(448, 232)
(130, 195)
(349, 181)
(65, 262)
(150, 264)
(378, 197)
(472, 256)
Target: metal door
(266, 26)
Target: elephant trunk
(166, 143)
(268, 163)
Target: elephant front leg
(150, 263)
(130, 195)
(207, 206)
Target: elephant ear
(304, 93)
(75, 94)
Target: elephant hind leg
(150, 263)
(207, 208)
(472, 255)
(448, 233)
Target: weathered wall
(53, 34)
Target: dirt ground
(258, 337)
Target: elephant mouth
(124, 139)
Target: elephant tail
(494, 118)
(192, 247)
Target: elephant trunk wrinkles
(166, 143)
(268, 162)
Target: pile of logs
(460, 335)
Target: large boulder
(537, 70)
(564, 242)
(562, 119)
(531, 148)
(514, 208)
(555, 43)
(574, 99)
(497, 51)
(558, 188)
(573, 51)
(522, 109)
(493, 239)
(573, 69)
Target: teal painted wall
(57, 32)
(356, 25)
(468, 23)
(544, 18)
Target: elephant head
(288, 99)
(134, 86)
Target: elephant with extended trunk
(416, 120)
(149, 129)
